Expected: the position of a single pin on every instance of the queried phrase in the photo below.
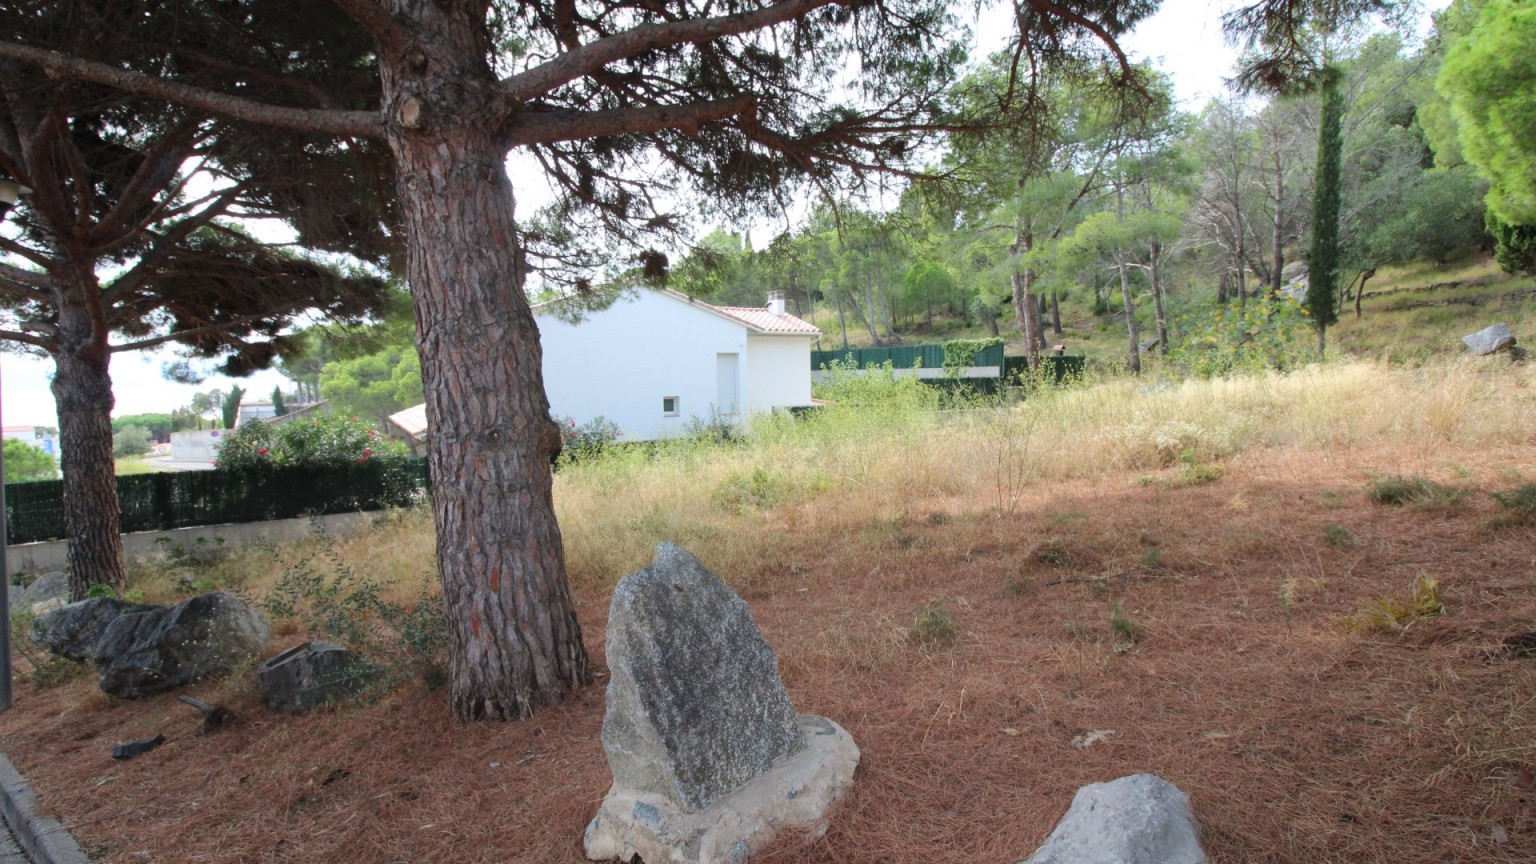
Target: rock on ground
(695, 704)
(49, 587)
(708, 756)
(145, 653)
(74, 630)
(1489, 340)
(309, 675)
(1140, 819)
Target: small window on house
(669, 406)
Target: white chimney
(776, 302)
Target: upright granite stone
(1489, 340)
(708, 756)
(145, 653)
(73, 631)
(1140, 819)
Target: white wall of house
(197, 445)
(778, 372)
(622, 362)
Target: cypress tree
(1323, 275)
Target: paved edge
(42, 838)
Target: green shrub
(324, 440)
(585, 439)
(1417, 492)
(130, 441)
(934, 625)
(1338, 537)
(1519, 504)
(1122, 624)
(398, 642)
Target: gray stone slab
(695, 704)
(1489, 340)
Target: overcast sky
(1184, 39)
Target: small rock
(144, 653)
(1084, 740)
(1489, 340)
(309, 675)
(1141, 819)
(72, 631)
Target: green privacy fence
(903, 357)
(160, 502)
(1057, 367)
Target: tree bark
(869, 319)
(1024, 306)
(82, 391)
(1055, 313)
(515, 643)
(1134, 356)
(1277, 240)
(1158, 304)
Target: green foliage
(1220, 341)
(1123, 626)
(1338, 537)
(279, 407)
(934, 624)
(159, 426)
(577, 440)
(230, 408)
(844, 383)
(1519, 504)
(25, 463)
(1323, 262)
(1387, 613)
(374, 385)
(130, 441)
(958, 353)
(1489, 78)
(1415, 491)
(1514, 246)
(395, 642)
(327, 439)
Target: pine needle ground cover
(1038, 536)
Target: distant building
(48, 443)
(657, 361)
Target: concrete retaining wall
(50, 555)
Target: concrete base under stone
(795, 793)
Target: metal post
(5, 589)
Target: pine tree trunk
(82, 391)
(1055, 313)
(1158, 302)
(514, 640)
(1134, 355)
(869, 301)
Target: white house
(655, 359)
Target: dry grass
(1032, 531)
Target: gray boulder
(709, 758)
(48, 588)
(1489, 340)
(1293, 271)
(309, 675)
(695, 704)
(145, 653)
(74, 630)
(1140, 819)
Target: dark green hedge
(159, 502)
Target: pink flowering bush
(588, 437)
(327, 439)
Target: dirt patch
(1296, 740)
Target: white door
(726, 370)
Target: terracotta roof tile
(761, 319)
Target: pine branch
(362, 124)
